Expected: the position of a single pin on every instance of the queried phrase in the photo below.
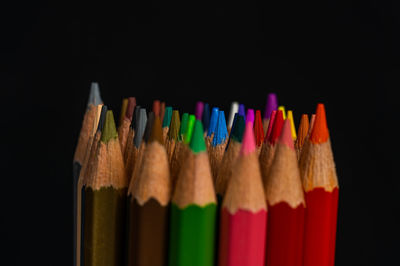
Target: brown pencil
(131, 134)
(173, 134)
(148, 205)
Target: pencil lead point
(130, 108)
(248, 143)
(293, 127)
(258, 129)
(184, 126)
(250, 116)
(238, 128)
(199, 110)
(271, 123)
(206, 117)
(213, 121)
(242, 110)
(197, 143)
(156, 107)
(232, 113)
(173, 132)
(135, 117)
(167, 117)
(276, 127)
(320, 133)
(189, 130)
(282, 108)
(140, 127)
(109, 131)
(271, 105)
(286, 134)
(102, 118)
(156, 132)
(221, 132)
(94, 95)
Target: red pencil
(285, 198)
(244, 211)
(321, 188)
(258, 131)
(268, 148)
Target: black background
(343, 53)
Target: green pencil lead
(109, 130)
(184, 125)
(197, 143)
(189, 131)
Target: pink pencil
(244, 211)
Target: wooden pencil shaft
(104, 226)
(192, 236)
(148, 233)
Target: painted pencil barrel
(320, 227)
(285, 235)
(147, 234)
(104, 226)
(192, 236)
(242, 238)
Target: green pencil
(193, 210)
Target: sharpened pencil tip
(206, 117)
(286, 134)
(94, 95)
(271, 105)
(156, 132)
(173, 132)
(149, 127)
(221, 132)
(213, 121)
(276, 127)
(156, 107)
(197, 143)
(130, 108)
(102, 118)
(293, 127)
(199, 110)
(167, 117)
(250, 116)
(189, 131)
(248, 143)
(109, 130)
(320, 133)
(238, 128)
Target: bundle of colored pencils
(161, 189)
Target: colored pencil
(286, 205)
(124, 105)
(156, 107)
(234, 109)
(271, 105)
(282, 108)
(258, 131)
(132, 155)
(131, 134)
(85, 133)
(206, 117)
(312, 120)
(242, 110)
(93, 140)
(148, 205)
(105, 196)
(218, 144)
(193, 208)
(268, 148)
(301, 134)
(166, 122)
(318, 173)
(243, 221)
(162, 111)
(250, 116)
(199, 110)
(173, 135)
(271, 122)
(293, 127)
(187, 136)
(142, 148)
(212, 127)
(230, 156)
(123, 128)
(179, 151)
